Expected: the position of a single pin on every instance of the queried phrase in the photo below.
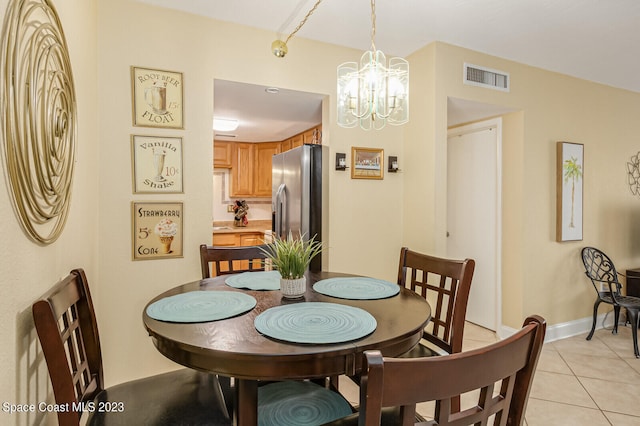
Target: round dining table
(233, 347)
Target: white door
(473, 213)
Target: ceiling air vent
(222, 135)
(475, 75)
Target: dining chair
(499, 377)
(67, 329)
(445, 284)
(231, 260)
(603, 275)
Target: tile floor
(578, 382)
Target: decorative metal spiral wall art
(38, 109)
(633, 169)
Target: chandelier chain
(304, 20)
(373, 25)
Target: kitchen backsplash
(259, 208)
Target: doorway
(266, 117)
(473, 213)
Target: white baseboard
(570, 328)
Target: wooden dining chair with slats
(216, 261)
(66, 324)
(498, 376)
(445, 284)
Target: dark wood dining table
(233, 347)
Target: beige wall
(28, 269)
(369, 220)
(365, 216)
(539, 275)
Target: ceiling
(264, 116)
(596, 40)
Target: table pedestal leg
(245, 412)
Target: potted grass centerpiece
(291, 257)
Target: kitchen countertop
(227, 227)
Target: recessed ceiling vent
(222, 135)
(475, 75)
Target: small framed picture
(157, 98)
(157, 230)
(156, 164)
(569, 191)
(367, 163)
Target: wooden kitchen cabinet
(222, 154)
(225, 240)
(285, 145)
(251, 239)
(297, 140)
(242, 170)
(250, 164)
(237, 239)
(306, 137)
(251, 170)
(263, 159)
(313, 135)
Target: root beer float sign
(157, 98)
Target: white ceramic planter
(292, 289)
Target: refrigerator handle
(281, 201)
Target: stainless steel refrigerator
(297, 187)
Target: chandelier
(375, 92)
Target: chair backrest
(446, 284)
(66, 325)
(231, 260)
(502, 373)
(600, 270)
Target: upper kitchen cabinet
(313, 135)
(250, 162)
(242, 170)
(262, 154)
(251, 168)
(285, 145)
(310, 136)
(222, 155)
(297, 140)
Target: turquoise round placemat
(291, 403)
(259, 280)
(201, 306)
(315, 322)
(356, 288)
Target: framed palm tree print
(569, 191)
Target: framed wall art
(157, 98)
(367, 163)
(156, 164)
(157, 230)
(569, 191)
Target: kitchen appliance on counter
(297, 187)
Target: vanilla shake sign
(157, 98)
(157, 230)
(157, 164)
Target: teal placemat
(259, 280)
(356, 288)
(201, 306)
(315, 322)
(291, 403)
